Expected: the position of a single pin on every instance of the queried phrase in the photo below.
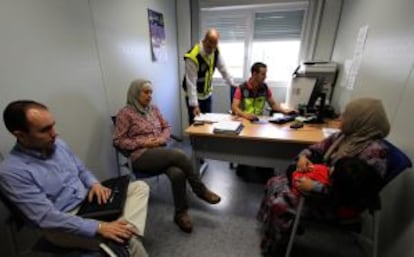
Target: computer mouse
(296, 125)
(255, 119)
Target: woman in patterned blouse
(143, 133)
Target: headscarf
(133, 92)
(363, 121)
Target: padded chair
(123, 160)
(16, 222)
(397, 163)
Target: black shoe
(114, 249)
(183, 221)
(210, 197)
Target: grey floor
(226, 229)
(229, 228)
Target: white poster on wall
(346, 71)
(357, 57)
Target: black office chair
(17, 221)
(232, 91)
(397, 163)
(123, 160)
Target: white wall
(48, 53)
(386, 72)
(184, 28)
(123, 42)
(326, 32)
(78, 57)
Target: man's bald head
(212, 34)
(210, 40)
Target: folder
(228, 127)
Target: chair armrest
(176, 138)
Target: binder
(228, 127)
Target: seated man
(250, 97)
(249, 102)
(47, 183)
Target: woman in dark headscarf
(364, 125)
(143, 133)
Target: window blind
(232, 26)
(279, 25)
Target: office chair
(123, 160)
(397, 163)
(17, 221)
(232, 91)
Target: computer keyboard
(284, 119)
(113, 208)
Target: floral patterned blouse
(133, 130)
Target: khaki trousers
(135, 212)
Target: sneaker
(210, 197)
(114, 249)
(183, 221)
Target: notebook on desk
(228, 127)
(114, 207)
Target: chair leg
(203, 168)
(295, 226)
(375, 233)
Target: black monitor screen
(317, 92)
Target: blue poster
(157, 36)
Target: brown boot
(210, 197)
(183, 221)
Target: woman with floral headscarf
(143, 133)
(364, 126)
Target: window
(251, 35)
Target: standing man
(47, 182)
(200, 63)
(250, 97)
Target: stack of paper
(211, 117)
(228, 127)
(329, 131)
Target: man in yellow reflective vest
(250, 97)
(200, 63)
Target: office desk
(263, 145)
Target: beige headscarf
(363, 120)
(133, 92)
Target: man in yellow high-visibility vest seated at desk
(250, 98)
(249, 102)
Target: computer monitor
(312, 106)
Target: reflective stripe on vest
(205, 69)
(253, 103)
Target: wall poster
(157, 36)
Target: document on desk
(227, 127)
(329, 131)
(212, 117)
